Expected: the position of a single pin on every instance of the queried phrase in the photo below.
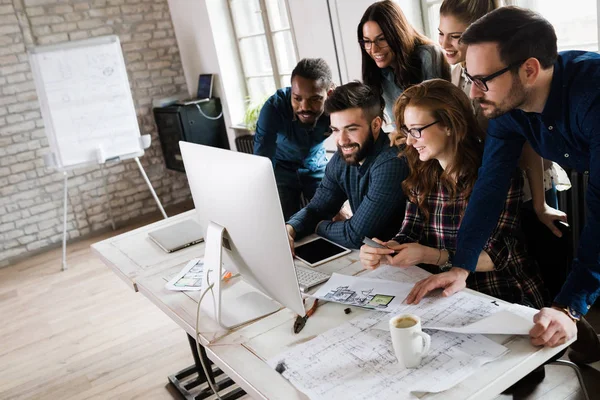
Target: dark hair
(355, 95)
(520, 34)
(452, 108)
(315, 69)
(402, 39)
(468, 11)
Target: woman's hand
(451, 281)
(409, 254)
(371, 257)
(547, 215)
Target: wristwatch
(570, 311)
(448, 264)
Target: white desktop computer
(236, 201)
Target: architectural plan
(376, 294)
(355, 361)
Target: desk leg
(191, 382)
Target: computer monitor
(237, 204)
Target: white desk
(241, 353)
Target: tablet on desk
(318, 251)
(177, 236)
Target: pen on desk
(301, 321)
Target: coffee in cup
(409, 342)
(405, 322)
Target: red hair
(452, 108)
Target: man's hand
(547, 215)
(291, 237)
(371, 257)
(409, 254)
(552, 328)
(451, 281)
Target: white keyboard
(309, 278)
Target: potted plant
(252, 112)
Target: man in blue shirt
(291, 130)
(532, 93)
(365, 170)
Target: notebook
(177, 236)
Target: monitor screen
(205, 83)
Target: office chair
(554, 267)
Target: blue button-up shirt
(286, 141)
(568, 132)
(374, 191)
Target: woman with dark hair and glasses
(539, 191)
(444, 150)
(394, 54)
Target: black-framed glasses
(416, 132)
(481, 83)
(379, 42)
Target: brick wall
(30, 194)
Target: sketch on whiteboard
(86, 101)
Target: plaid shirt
(373, 189)
(515, 277)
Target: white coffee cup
(410, 343)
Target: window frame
(425, 4)
(268, 34)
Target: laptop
(177, 236)
(205, 88)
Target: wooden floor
(83, 334)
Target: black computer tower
(200, 123)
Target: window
(265, 43)
(576, 27)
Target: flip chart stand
(50, 161)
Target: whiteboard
(86, 102)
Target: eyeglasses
(379, 42)
(416, 132)
(481, 83)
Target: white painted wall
(198, 52)
(312, 31)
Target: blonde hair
(468, 11)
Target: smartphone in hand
(372, 243)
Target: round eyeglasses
(416, 132)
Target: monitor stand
(232, 303)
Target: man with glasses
(532, 93)
(291, 130)
(365, 170)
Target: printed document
(355, 361)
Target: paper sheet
(355, 361)
(397, 274)
(500, 323)
(461, 313)
(376, 294)
(189, 278)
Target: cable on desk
(208, 377)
